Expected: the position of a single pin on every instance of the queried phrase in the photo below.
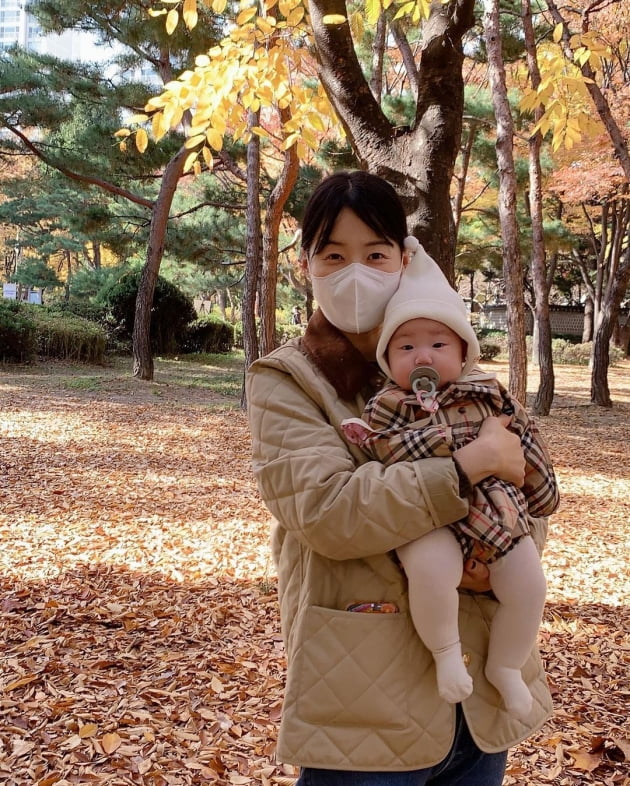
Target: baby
(434, 403)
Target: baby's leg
(434, 567)
(518, 582)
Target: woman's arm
(323, 492)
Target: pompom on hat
(424, 291)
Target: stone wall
(565, 320)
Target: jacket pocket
(351, 668)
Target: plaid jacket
(399, 430)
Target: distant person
(296, 315)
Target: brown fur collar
(339, 361)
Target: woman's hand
(496, 451)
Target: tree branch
(93, 181)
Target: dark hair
(373, 200)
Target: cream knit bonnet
(424, 291)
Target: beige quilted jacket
(360, 691)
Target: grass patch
(219, 374)
(233, 361)
(91, 384)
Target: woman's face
(351, 240)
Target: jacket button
(466, 657)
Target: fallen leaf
(111, 742)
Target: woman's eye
(377, 256)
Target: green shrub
(286, 331)
(209, 334)
(94, 312)
(488, 349)
(117, 340)
(18, 335)
(68, 337)
(171, 312)
(567, 353)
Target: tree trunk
(542, 321)
(142, 354)
(512, 268)
(271, 234)
(587, 327)
(378, 54)
(600, 360)
(96, 260)
(462, 174)
(418, 161)
(252, 252)
(608, 317)
(68, 256)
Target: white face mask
(353, 299)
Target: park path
(137, 607)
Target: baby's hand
(476, 577)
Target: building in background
(19, 27)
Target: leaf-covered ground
(138, 623)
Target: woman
(361, 703)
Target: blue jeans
(465, 765)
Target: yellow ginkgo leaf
(215, 139)
(373, 11)
(261, 132)
(142, 140)
(245, 15)
(208, 158)
(172, 18)
(123, 132)
(159, 126)
(193, 141)
(295, 17)
(333, 19)
(190, 160)
(189, 12)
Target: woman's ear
(303, 262)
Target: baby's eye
(407, 347)
(439, 344)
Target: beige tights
(434, 568)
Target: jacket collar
(339, 361)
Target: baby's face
(425, 342)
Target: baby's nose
(423, 357)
